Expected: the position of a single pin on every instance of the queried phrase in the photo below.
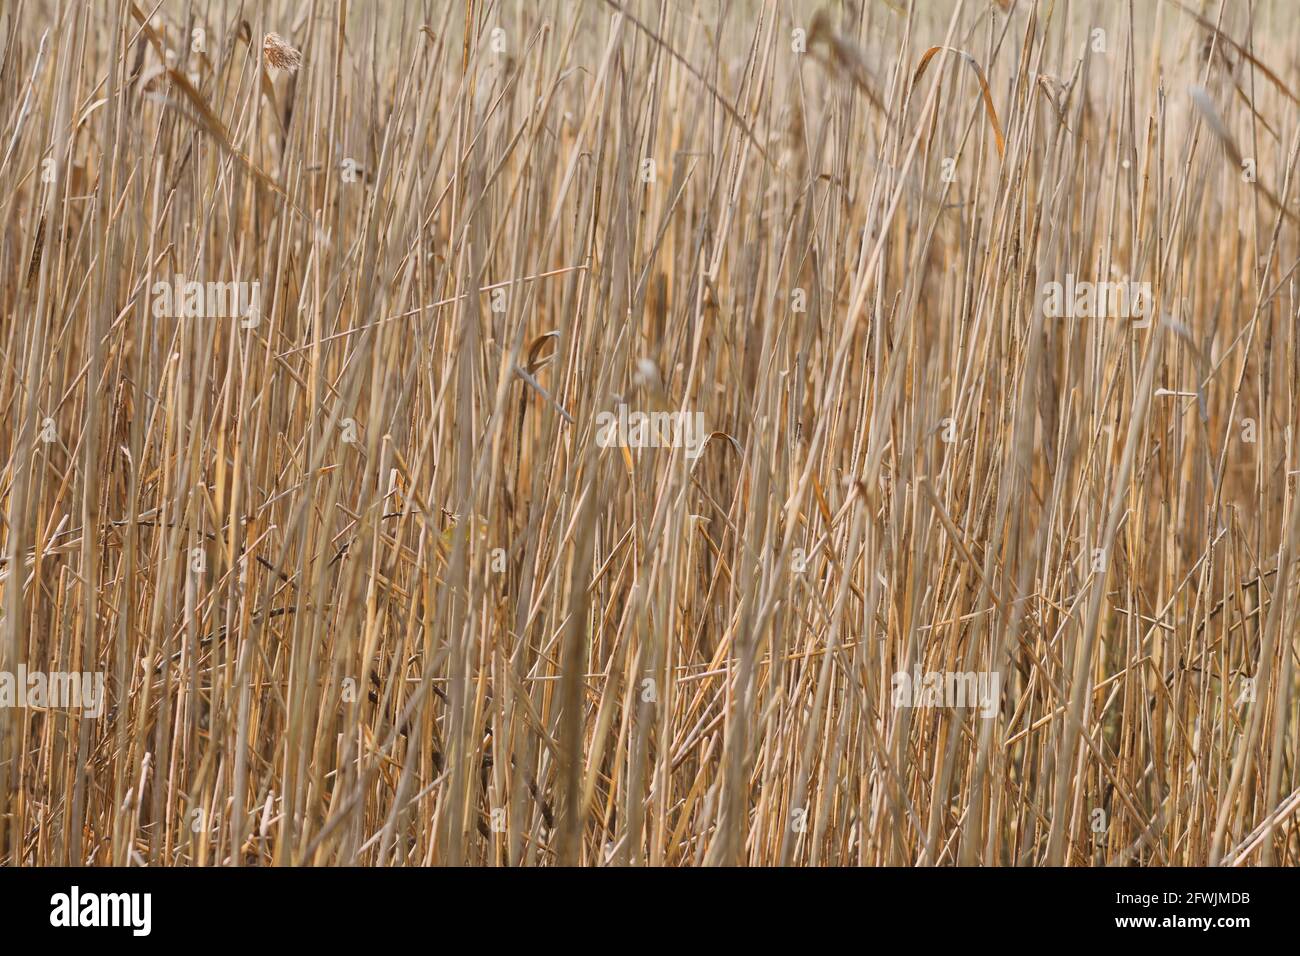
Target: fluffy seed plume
(280, 54)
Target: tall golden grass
(366, 588)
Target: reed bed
(366, 586)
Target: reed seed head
(280, 54)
